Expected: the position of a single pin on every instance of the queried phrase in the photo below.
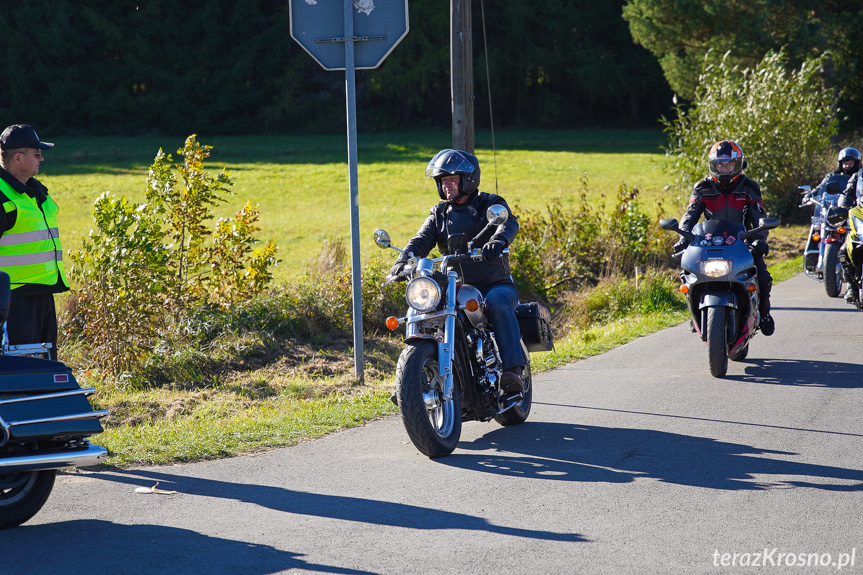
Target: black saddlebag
(535, 324)
(40, 398)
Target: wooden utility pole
(461, 73)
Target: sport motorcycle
(720, 281)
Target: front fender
(712, 299)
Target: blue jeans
(501, 301)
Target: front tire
(433, 425)
(717, 343)
(22, 495)
(833, 273)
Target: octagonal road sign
(318, 26)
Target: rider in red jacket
(727, 194)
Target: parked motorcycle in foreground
(721, 286)
(45, 420)
(450, 368)
(821, 251)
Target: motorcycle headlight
(423, 294)
(716, 268)
(858, 227)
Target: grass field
(301, 182)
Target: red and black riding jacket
(741, 202)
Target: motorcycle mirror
(805, 188)
(837, 215)
(497, 214)
(382, 239)
(833, 188)
(768, 223)
(668, 224)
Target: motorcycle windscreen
(718, 228)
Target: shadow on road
(330, 506)
(832, 374)
(106, 547)
(566, 452)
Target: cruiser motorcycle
(821, 251)
(45, 422)
(450, 368)
(720, 281)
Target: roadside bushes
(146, 267)
(564, 249)
(783, 120)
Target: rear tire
(22, 495)
(518, 413)
(833, 273)
(433, 425)
(717, 343)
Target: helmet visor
(447, 163)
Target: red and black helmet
(726, 162)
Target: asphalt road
(636, 461)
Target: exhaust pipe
(91, 455)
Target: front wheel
(518, 413)
(717, 342)
(433, 424)
(833, 273)
(22, 495)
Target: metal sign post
(369, 33)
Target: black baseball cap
(22, 136)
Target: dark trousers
(33, 319)
(765, 283)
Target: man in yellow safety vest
(30, 249)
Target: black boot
(511, 381)
(767, 324)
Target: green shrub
(783, 121)
(564, 249)
(145, 267)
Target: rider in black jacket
(853, 191)
(455, 221)
(727, 194)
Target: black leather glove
(397, 268)
(759, 248)
(679, 246)
(492, 250)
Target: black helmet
(849, 154)
(455, 163)
(722, 153)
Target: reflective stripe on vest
(31, 252)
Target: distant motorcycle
(821, 251)
(853, 243)
(721, 286)
(450, 369)
(45, 422)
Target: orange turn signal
(392, 322)
(684, 288)
(816, 238)
(471, 305)
(752, 287)
(841, 229)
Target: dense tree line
(682, 34)
(230, 67)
